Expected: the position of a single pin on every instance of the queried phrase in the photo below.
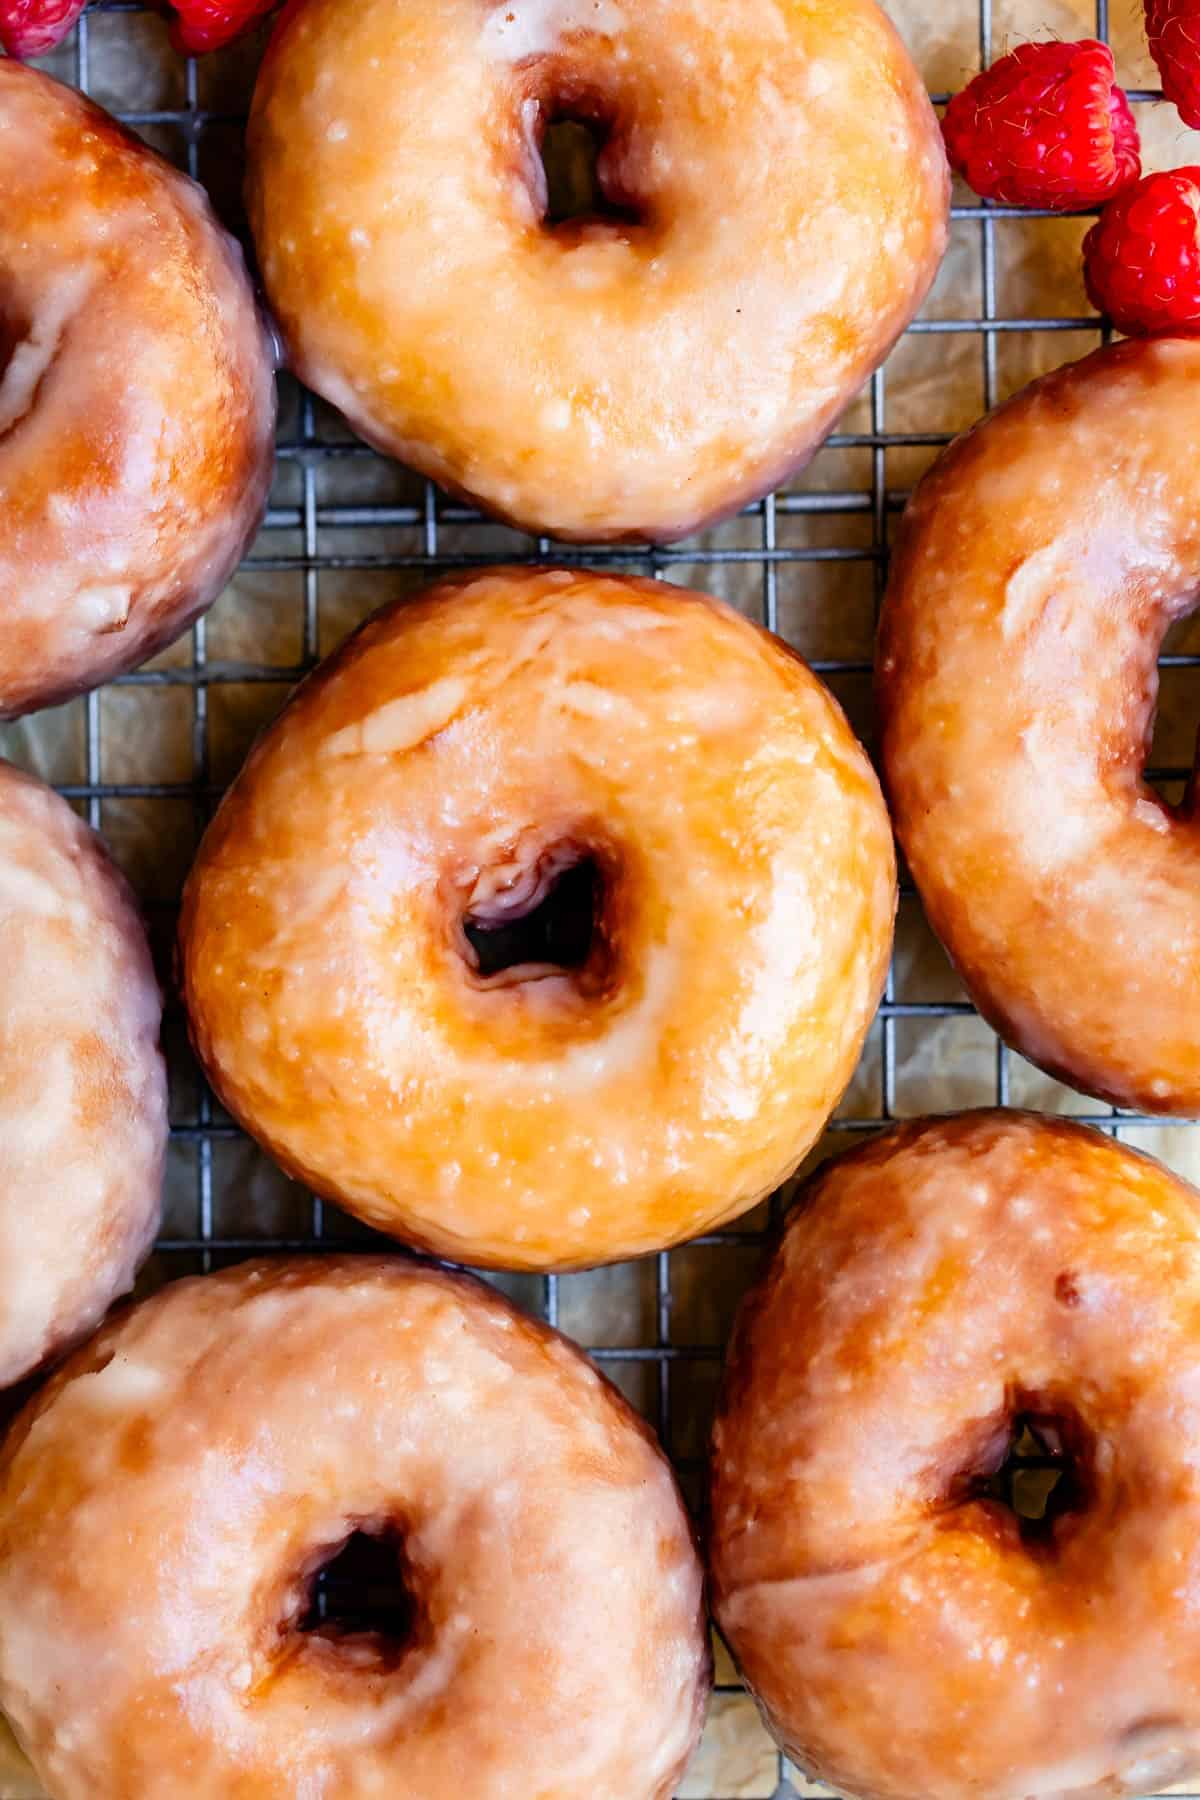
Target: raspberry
(1045, 126)
(1173, 28)
(200, 25)
(31, 27)
(1141, 259)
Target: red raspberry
(1173, 28)
(200, 25)
(1141, 259)
(1045, 126)
(31, 27)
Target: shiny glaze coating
(1038, 568)
(166, 1503)
(450, 760)
(83, 1109)
(597, 380)
(906, 1639)
(137, 398)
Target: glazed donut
(545, 927)
(83, 1113)
(1039, 566)
(166, 1505)
(771, 207)
(957, 1290)
(137, 398)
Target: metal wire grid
(430, 518)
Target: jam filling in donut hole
(182, 1506)
(83, 1104)
(1038, 569)
(609, 269)
(545, 926)
(137, 398)
(954, 1489)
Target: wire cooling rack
(317, 541)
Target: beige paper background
(278, 617)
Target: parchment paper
(933, 383)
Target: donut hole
(358, 1597)
(1169, 754)
(576, 131)
(1035, 1465)
(14, 331)
(545, 922)
(572, 151)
